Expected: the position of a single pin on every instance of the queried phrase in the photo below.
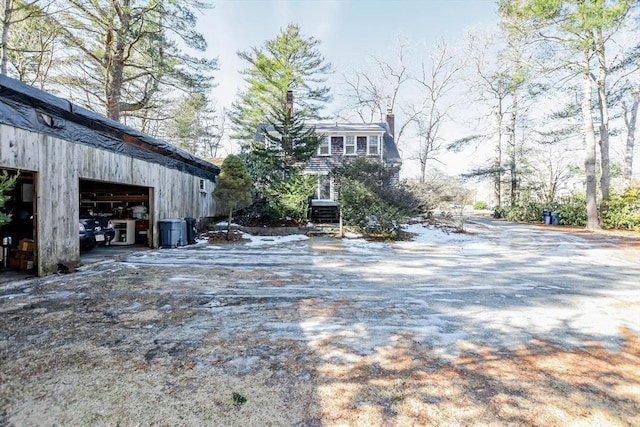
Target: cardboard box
(26, 265)
(26, 245)
(25, 261)
(13, 263)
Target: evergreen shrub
(480, 205)
(370, 201)
(290, 199)
(573, 210)
(369, 213)
(623, 210)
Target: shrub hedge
(621, 210)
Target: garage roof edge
(23, 103)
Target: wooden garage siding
(60, 164)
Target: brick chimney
(290, 101)
(391, 122)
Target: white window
(374, 145)
(350, 145)
(324, 149)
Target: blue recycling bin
(546, 217)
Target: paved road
(502, 284)
(328, 332)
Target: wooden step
(325, 214)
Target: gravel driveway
(506, 324)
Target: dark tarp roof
(26, 107)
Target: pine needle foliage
(233, 187)
(7, 182)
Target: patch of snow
(351, 235)
(428, 234)
(60, 294)
(183, 278)
(136, 305)
(10, 296)
(225, 223)
(257, 241)
(363, 246)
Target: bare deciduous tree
(435, 82)
(492, 83)
(371, 94)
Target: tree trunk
(497, 164)
(229, 223)
(5, 36)
(590, 150)
(512, 148)
(114, 84)
(114, 58)
(603, 104)
(630, 120)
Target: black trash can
(192, 232)
(555, 218)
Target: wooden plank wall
(60, 164)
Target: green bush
(528, 208)
(370, 201)
(530, 212)
(290, 199)
(7, 182)
(481, 205)
(573, 210)
(367, 212)
(622, 210)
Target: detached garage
(69, 159)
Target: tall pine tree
(120, 55)
(291, 61)
(287, 146)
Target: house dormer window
(350, 145)
(373, 147)
(324, 149)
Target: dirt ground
(514, 325)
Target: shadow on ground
(513, 326)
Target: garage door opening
(122, 211)
(17, 231)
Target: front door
(324, 188)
